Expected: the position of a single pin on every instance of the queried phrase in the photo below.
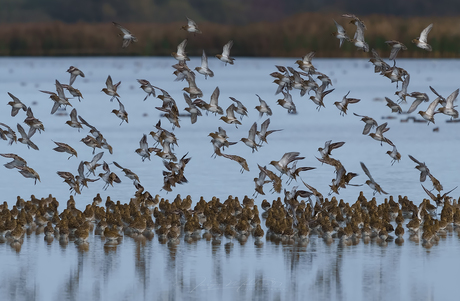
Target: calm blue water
(150, 270)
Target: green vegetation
(292, 37)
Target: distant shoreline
(292, 37)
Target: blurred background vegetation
(288, 28)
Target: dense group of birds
(287, 219)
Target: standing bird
(422, 41)
(74, 72)
(372, 184)
(126, 34)
(191, 27)
(225, 56)
(16, 105)
(204, 69)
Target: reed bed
(292, 37)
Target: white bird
(225, 56)
(204, 69)
(422, 41)
(126, 34)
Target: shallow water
(151, 270)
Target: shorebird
(192, 109)
(328, 148)
(28, 172)
(395, 108)
(121, 113)
(430, 112)
(191, 26)
(26, 137)
(260, 182)
(282, 164)
(340, 34)
(438, 199)
(263, 108)
(91, 142)
(73, 122)
(287, 103)
(403, 92)
(214, 103)
(70, 179)
(320, 94)
(378, 135)
(74, 92)
(305, 63)
(59, 98)
(128, 173)
(204, 68)
(380, 66)
(225, 56)
(33, 122)
(17, 161)
(126, 34)
(276, 181)
(372, 184)
(250, 141)
(230, 118)
(422, 41)
(424, 171)
(448, 109)
(74, 72)
(343, 105)
(419, 98)
(394, 154)
(240, 108)
(370, 123)
(144, 150)
(16, 105)
(240, 160)
(264, 132)
(192, 88)
(82, 180)
(294, 171)
(108, 177)
(65, 148)
(92, 165)
(147, 87)
(395, 48)
(9, 133)
(111, 89)
(358, 39)
(181, 55)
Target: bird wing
(227, 47)
(425, 32)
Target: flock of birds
(288, 219)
